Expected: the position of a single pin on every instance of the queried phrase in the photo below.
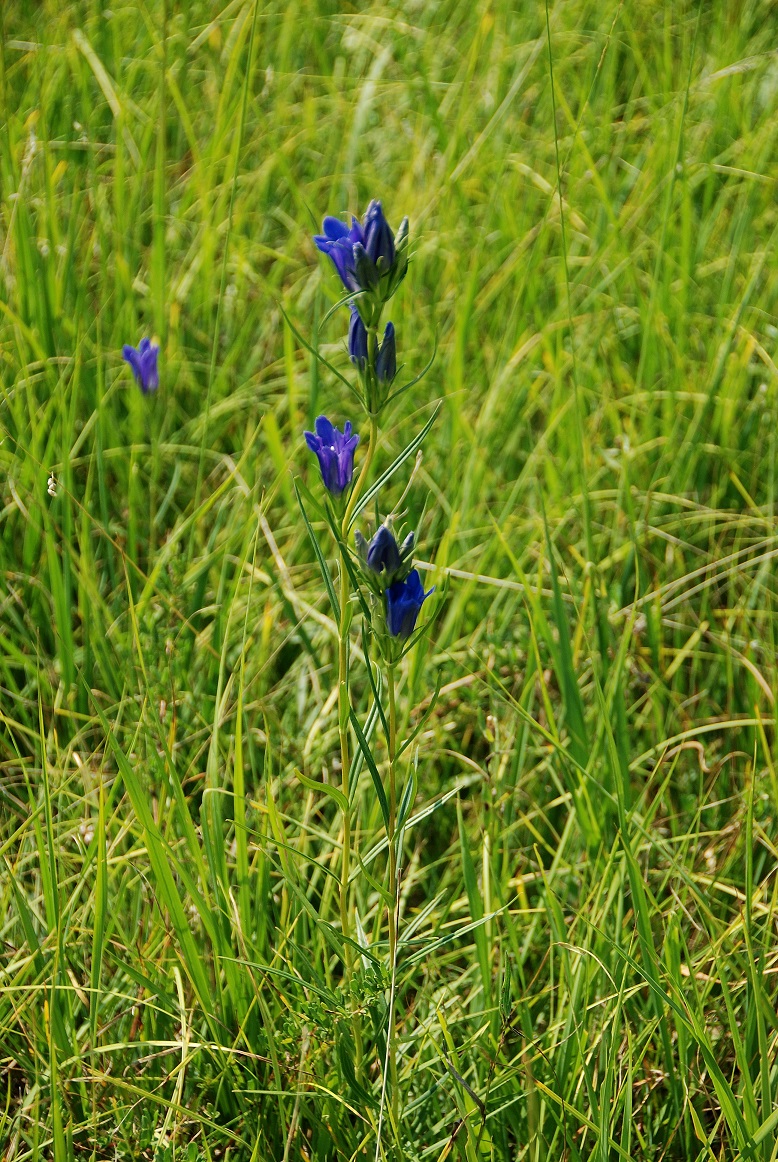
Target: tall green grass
(587, 962)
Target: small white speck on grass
(52, 485)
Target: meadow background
(589, 900)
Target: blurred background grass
(606, 722)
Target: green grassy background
(600, 760)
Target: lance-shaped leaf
(364, 746)
(386, 476)
(323, 566)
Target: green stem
(393, 888)
(343, 716)
(357, 489)
(344, 703)
(344, 707)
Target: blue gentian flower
(386, 361)
(335, 452)
(143, 362)
(404, 599)
(383, 552)
(367, 256)
(379, 239)
(357, 339)
(338, 242)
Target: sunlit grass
(587, 964)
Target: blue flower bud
(404, 599)
(144, 364)
(364, 268)
(379, 239)
(335, 453)
(383, 553)
(357, 339)
(386, 361)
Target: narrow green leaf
(324, 789)
(190, 952)
(371, 766)
(476, 906)
(417, 379)
(100, 912)
(323, 566)
(316, 354)
(386, 476)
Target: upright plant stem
(344, 702)
(344, 707)
(393, 889)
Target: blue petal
(334, 228)
(356, 233)
(325, 430)
(133, 358)
(414, 588)
(328, 463)
(149, 373)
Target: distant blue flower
(335, 452)
(404, 599)
(144, 364)
(379, 239)
(386, 361)
(357, 339)
(383, 553)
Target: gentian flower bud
(379, 240)
(386, 361)
(364, 268)
(143, 362)
(335, 452)
(404, 599)
(357, 340)
(383, 553)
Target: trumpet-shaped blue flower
(338, 242)
(386, 361)
(404, 599)
(143, 362)
(367, 255)
(357, 340)
(335, 452)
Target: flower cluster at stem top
(388, 571)
(371, 262)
